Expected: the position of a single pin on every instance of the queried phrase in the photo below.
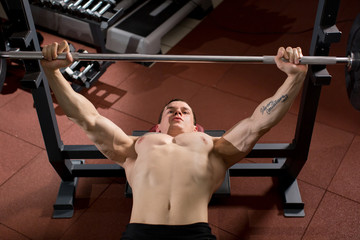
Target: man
(173, 173)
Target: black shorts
(139, 231)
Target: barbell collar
(313, 60)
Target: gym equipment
(288, 158)
(78, 19)
(90, 20)
(352, 73)
(313, 60)
(73, 6)
(83, 77)
(141, 31)
(83, 10)
(84, 73)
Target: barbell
(351, 60)
(313, 60)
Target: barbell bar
(313, 60)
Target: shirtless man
(173, 173)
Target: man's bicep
(111, 140)
(237, 142)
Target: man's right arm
(239, 140)
(108, 137)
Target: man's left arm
(240, 139)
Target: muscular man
(174, 172)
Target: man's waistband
(139, 231)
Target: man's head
(176, 117)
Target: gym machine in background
(288, 158)
(122, 26)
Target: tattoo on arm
(270, 106)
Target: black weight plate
(352, 75)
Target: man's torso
(173, 178)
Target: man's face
(177, 118)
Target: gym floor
(132, 95)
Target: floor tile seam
(87, 209)
(14, 230)
(133, 116)
(15, 94)
(328, 190)
(201, 85)
(24, 140)
(342, 160)
(196, 93)
(118, 85)
(10, 134)
(65, 130)
(311, 184)
(316, 209)
(216, 84)
(320, 202)
(235, 95)
(130, 75)
(342, 196)
(184, 78)
(6, 102)
(231, 67)
(338, 128)
(21, 168)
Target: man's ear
(157, 129)
(195, 128)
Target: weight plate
(352, 75)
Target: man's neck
(174, 132)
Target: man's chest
(186, 157)
(191, 142)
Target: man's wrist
(299, 76)
(50, 71)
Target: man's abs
(173, 178)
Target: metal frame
(289, 158)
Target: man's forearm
(273, 109)
(242, 137)
(74, 105)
